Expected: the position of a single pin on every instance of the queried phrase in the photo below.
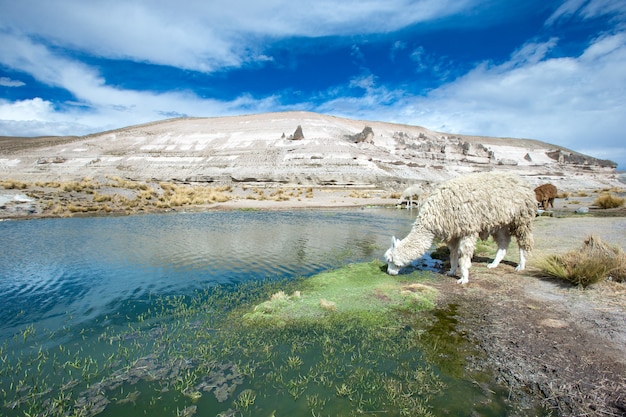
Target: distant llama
(413, 194)
(463, 209)
(545, 195)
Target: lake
(126, 315)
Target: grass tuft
(13, 184)
(607, 201)
(594, 262)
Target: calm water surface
(89, 267)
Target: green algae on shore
(362, 291)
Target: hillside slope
(267, 148)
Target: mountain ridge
(261, 148)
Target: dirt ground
(544, 338)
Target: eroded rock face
(566, 157)
(366, 135)
(336, 151)
(298, 135)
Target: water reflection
(86, 267)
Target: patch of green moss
(361, 291)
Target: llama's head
(393, 266)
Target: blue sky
(548, 70)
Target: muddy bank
(544, 338)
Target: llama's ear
(394, 241)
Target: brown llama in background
(545, 195)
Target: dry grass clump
(257, 194)
(48, 184)
(328, 305)
(183, 195)
(85, 185)
(13, 184)
(607, 201)
(612, 190)
(100, 198)
(359, 194)
(593, 262)
(79, 208)
(128, 184)
(279, 194)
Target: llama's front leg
(453, 246)
(466, 250)
(503, 239)
(522, 260)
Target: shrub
(594, 262)
(607, 201)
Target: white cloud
(587, 9)
(575, 102)
(24, 110)
(562, 100)
(206, 35)
(7, 82)
(396, 47)
(98, 106)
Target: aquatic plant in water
(261, 348)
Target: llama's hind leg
(522, 260)
(453, 246)
(503, 238)
(524, 238)
(467, 245)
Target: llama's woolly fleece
(459, 210)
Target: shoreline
(17, 205)
(118, 197)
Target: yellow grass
(359, 194)
(607, 201)
(128, 184)
(13, 184)
(593, 262)
(182, 195)
(100, 198)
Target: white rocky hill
(298, 148)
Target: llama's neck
(414, 245)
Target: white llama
(462, 209)
(413, 194)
